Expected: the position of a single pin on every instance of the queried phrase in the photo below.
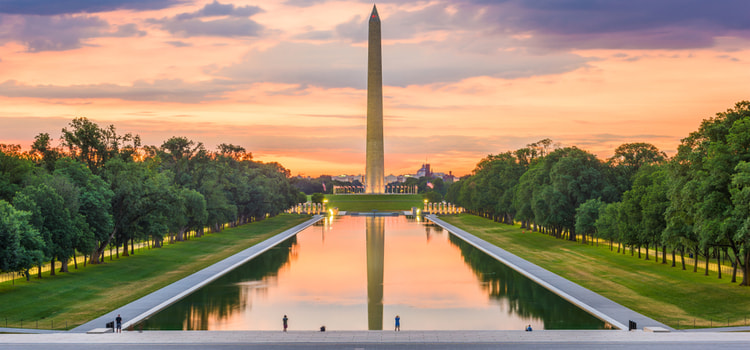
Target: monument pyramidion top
(374, 16)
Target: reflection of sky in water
(323, 280)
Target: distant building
(427, 171)
(347, 178)
(424, 171)
(449, 177)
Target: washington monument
(374, 172)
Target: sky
(286, 80)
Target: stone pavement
(371, 337)
(26, 330)
(149, 304)
(599, 306)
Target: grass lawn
(67, 300)
(668, 294)
(370, 202)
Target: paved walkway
(718, 329)
(599, 306)
(143, 307)
(364, 337)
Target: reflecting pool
(359, 272)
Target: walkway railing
(711, 323)
(36, 324)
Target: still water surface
(358, 273)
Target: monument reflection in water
(358, 273)
(375, 255)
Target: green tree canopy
(20, 243)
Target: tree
(654, 203)
(141, 197)
(679, 216)
(644, 206)
(20, 243)
(52, 218)
(238, 153)
(195, 212)
(209, 177)
(454, 190)
(607, 224)
(94, 146)
(432, 196)
(306, 185)
(700, 202)
(575, 177)
(220, 209)
(529, 188)
(95, 203)
(177, 154)
(43, 152)
(740, 196)
(586, 216)
(317, 197)
(631, 229)
(435, 184)
(187, 213)
(14, 168)
(489, 191)
(497, 177)
(629, 157)
(542, 148)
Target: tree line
(696, 202)
(100, 189)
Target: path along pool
(360, 272)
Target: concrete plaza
(599, 339)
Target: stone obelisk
(374, 172)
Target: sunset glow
(286, 80)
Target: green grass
(668, 294)
(370, 202)
(70, 299)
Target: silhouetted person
(118, 324)
(285, 320)
(398, 323)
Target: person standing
(398, 324)
(285, 321)
(118, 324)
